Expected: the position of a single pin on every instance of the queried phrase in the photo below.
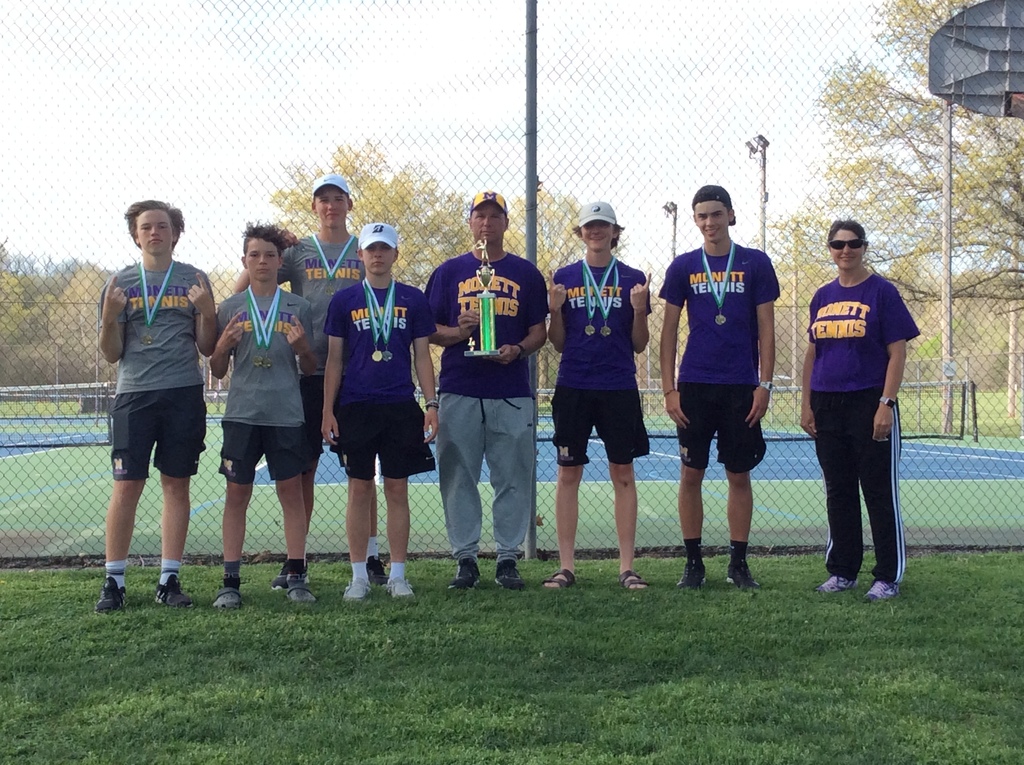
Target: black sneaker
(739, 574)
(170, 594)
(693, 577)
(507, 575)
(280, 582)
(111, 597)
(375, 571)
(467, 575)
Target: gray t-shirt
(260, 394)
(163, 355)
(304, 268)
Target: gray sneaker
(280, 582)
(836, 584)
(399, 588)
(882, 590)
(228, 597)
(170, 594)
(298, 590)
(357, 590)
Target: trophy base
(482, 353)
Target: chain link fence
(228, 110)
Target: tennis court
(52, 500)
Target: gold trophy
(484, 273)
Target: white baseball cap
(597, 211)
(331, 179)
(378, 232)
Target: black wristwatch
(889, 402)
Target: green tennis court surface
(52, 502)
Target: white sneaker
(358, 589)
(400, 588)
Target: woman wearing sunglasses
(852, 373)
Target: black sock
(737, 552)
(693, 555)
(232, 574)
(295, 566)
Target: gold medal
(377, 356)
(606, 330)
(147, 339)
(719, 320)
(257, 361)
(589, 329)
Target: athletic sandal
(632, 580)
(560, 580)
(228, 597)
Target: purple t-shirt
(521, 302)
(378, 381)
(596, 361)
(724, 354)
(851, 329)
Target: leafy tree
(430, 219)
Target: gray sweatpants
(502, 431)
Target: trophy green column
(488, 342)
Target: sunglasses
(853, 244)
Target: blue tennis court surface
(784, 461)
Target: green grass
(594, 674)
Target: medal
(595, 294)
(718, 289)
(262, 329)
(337, 264)
(382, 320)
(151, 311)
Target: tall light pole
(672, 210)
(758, 148)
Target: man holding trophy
(490, 308)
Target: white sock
(115, 568)
(397, 571)
(371, 548)
(359, 570)
(168, 567)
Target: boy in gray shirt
(153, 317)
(263, 329)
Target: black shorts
(244, 444)
(174, 419)
(394, 432)
(616, 414)
(720, 409)
(312, 390)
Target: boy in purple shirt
(487, 407)
(852, 374)
(599, 308)
(725, 377)
(375, 323)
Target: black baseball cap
(715, 194)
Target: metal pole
(531, 231)
(764, 196)
(948, 365)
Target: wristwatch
(889, 402)
(766, 385)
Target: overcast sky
(205, 104)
